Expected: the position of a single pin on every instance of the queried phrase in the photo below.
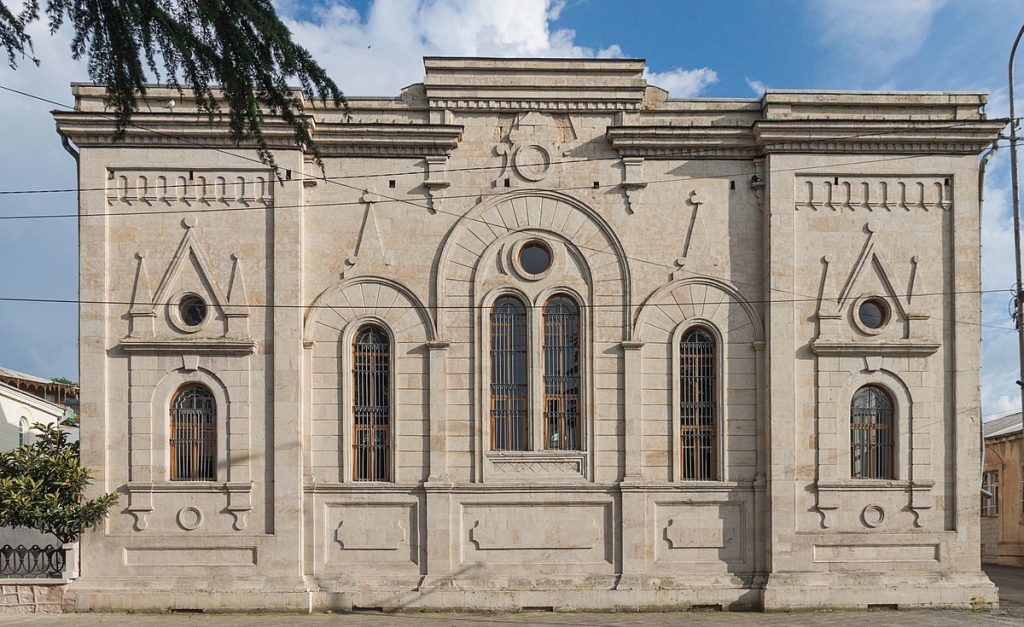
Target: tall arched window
(698, 425)
(509, 416)
(23, 431)
(371, 405)
(872, 437)
(562, 374)
(193, 434)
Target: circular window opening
(193, 310)
(535, 257)
(873, 313)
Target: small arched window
(509, 399)
(562, 374)
(23, 432)
(194, 434)
(371, 405)
(698, 424)
(872, 437)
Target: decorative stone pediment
(871, 278)
(157, 323)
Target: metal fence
(35, 562)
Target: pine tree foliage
(42, 486)
(240, 47)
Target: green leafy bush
(42, 487)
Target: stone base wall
(27, 598)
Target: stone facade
(767, 225)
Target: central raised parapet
(534, 84)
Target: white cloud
(756, 86)
(378, 53)
(683, 83)
(876, 34)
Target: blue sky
(692, 48)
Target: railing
(35, 562)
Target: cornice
(177, 346)
(683, 142)
(163, 129)
(894, 349)
(877, 136)
(389, 140)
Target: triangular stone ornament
(871, 259)
(237, 309)
(190, 252)
(142, 313)
(370, 255)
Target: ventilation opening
(712, 607)
(187, 610)
(538, 608)
(597, 184)
(732, 184)
(508, 182)
(391, 183)
(360, 608)
(883, 606)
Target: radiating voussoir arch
(367, 297)
(698, 298)
(538, 210)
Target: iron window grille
(371, 405)
(509, 416)
(194, 435)
(990, 483)
(698, 425)
(562, 374)
(872, 441)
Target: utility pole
(1018, 296)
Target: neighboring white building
(542, 337)
(19, 411)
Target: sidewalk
(872, 618)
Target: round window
(193, 310)
(535, 257)
(873, 313)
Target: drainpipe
(981, 204)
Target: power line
(496, 194)
(304, 177)
(779, 301)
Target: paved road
(1010, 580)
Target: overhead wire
(435, 209)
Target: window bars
(697, 407)
(509, 416)
(371, 408)
(561, 374)
(194, 435)
(990, 483)
(872, 442)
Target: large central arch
(519, 210)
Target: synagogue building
(533, 334)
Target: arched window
(872, 441)
(509, 416)
(562, 374)
(698, 425)
(194, 434)
(23, 432)
(371, 405)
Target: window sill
(874, 485)
(519, 466)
